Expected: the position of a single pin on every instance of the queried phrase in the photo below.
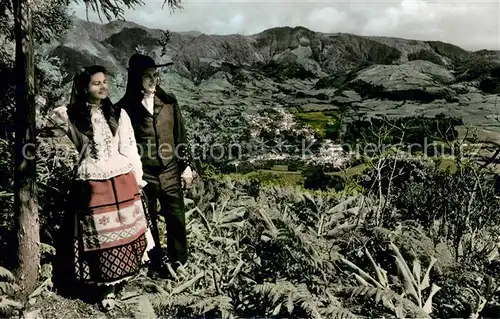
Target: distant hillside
(302, 71)
(291, 52)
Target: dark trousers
(172, 209)
(497, 184)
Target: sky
(472, 25)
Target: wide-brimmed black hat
(140, 62)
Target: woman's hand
(142, 193)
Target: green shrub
(474, 67)
(294, 166)
(420, 132)
(316, 179)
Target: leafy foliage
(252, 275)
(457, 207)
(411, 301)
(6, 199)
(51, 20)
(7, 289)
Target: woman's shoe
(108, 300)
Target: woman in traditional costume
(107, 218)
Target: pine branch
(114, 9)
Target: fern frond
(164, 302)
(363, 291)
(233, 215)
(7, 305)
(268, 222)
(385, 296)
(263, 289)
(276, 291)
(7, 288)
(291, 295)
(222, 303)
(310, 305)
(6, 274)
(144, 308)
(338, 313)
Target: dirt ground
(50, 305)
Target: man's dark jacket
(164, 127)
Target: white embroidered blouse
(115, 154)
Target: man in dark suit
(167, 164)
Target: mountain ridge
(319, 54)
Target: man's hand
(188, 176)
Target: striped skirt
(111, 234)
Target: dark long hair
(79, 111)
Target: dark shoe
(161, 273)
(155, 255)
(158, 265)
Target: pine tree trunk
(25, 192)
